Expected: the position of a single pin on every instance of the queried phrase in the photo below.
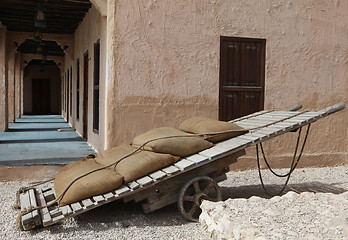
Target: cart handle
(294, 108)
(335, 108)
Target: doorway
(242, 77)
(85, 96)
(41, 100)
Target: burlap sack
(143, 163)
(178, 146)
(136, 165)
(109, 156)
(93, 184)
(200, 125)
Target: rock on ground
(317, 210)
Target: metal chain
(292, 167)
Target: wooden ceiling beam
(62, 16)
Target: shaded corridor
(41, 140)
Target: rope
(22, 190)
(292, 167)
(17, 205)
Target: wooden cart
(187, 182)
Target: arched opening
(41, 88)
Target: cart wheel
(193, 193)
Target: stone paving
(41, 140)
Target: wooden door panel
(41, 100)
(242, 66)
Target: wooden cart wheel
(193, 193)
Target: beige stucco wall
(167, 64)
(91, 29)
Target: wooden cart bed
(161, 187)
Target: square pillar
(3, 82)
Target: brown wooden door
(85, 96)
(242, 76)
(41, 96)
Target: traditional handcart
(187, 182)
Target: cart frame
(171, 184)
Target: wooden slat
(24, 200)
(98, 198)
(234, 143)
(198, 159)
(251, 138)
(270, 117)
(284, 113)
(257, 122)
(46, 188)
(144, 180)
(35, 213)
(250, 126)
(213, 152)
(45, 214)
(250, 115)
(87, 203)
(76, 207)
(171, 170)
(184, 164)
(122, 190)
(110, 195)
(285, 126)
(49, 192)
(55, 212)
(58, 218)
(66, 210)
(312, 114)
(27, 221)
(158, 175)
(270, 131)
(133, 185)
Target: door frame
(242, 89)
(85, 96)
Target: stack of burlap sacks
(101, 175)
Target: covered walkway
(41, 140)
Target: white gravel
(127, 221)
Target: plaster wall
(90, 30)
(3, 82)
(53, 74)
(167, 64)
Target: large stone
(296, 216)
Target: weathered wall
(167, 64)
(3, 82)
(91, 29)
(50, 72)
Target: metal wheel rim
(193, 193)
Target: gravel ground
(127, 221)
(315, 206)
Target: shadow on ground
(257, 190)
(126, 215)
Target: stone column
(111, 82)
(17, 84)
(3, 82)
(11, 85)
